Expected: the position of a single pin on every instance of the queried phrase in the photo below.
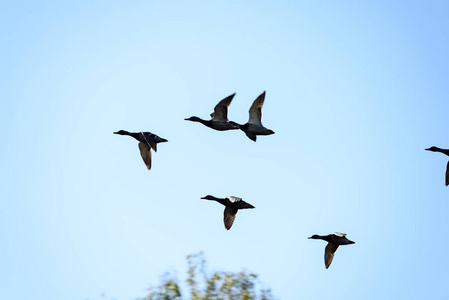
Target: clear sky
(355, 91)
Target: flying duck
(147, 141)
(219, 118)
(254, 126)
(334, 240)
(233, 204)
(445, 151)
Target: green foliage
(167, 290)
(218, 286)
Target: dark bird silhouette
(254, 126)
(233, 204)
(147, 141)
(445, 151)
(334, 241)
(219, 118)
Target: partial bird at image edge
(444, 151)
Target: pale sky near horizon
(355, 91)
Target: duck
(219, 118)
(334, 241)
(233, 204)
(445, 151)
(147, 141)
(254, 126)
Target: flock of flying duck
(253, 128)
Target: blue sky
(356, 90)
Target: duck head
(193, 119)
(433, 148)
(122, 132)
(315, 237)
(209, 197)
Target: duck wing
(229, 216)
(145, 152)
(255, 111)
(220, 113)
(151, 139)
(447, 174)
(329, 252)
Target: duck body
(217, 125)
(333, 240)
(219, 118)
(254, 126)
(147, 141)
(444, 151)
(232, 205)
(253, 130)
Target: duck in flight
(254, 126)
(334, 241)
(445, 151)
(147, 141)
(219, 118)
(233, 204)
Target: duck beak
(163, 140)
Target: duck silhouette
(147, 141)
(219, 118)
(254, 126)
(233, 204)
(334, 241)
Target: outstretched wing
(220, 113)
(255, 111)
(145, 152)
(329, 252)
(229, 216)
